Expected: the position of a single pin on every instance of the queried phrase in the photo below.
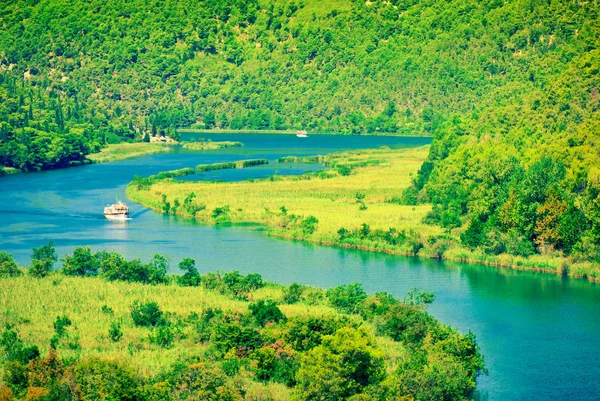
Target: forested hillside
(107, 71)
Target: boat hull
(120, 217)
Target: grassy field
(122, 151)
(209, 145)
(331, 200)
(359, 194)
(32, 306)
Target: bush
(292, 293)
(162, 336)
(309, 225)
(8, 266)
(305, 332)
(406, 323)
(81, 263)
(15, 349)
(114, 267)
(228, 336)
(61, 324)
(115, 333)
(266, 311)
(99, 379)
(191, 277)
(254, 162)
(42, 260)
(146, 314)
(342, 366)
(347, 298)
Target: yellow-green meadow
(124, 150)
(355, 203)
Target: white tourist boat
(302, 134)
(117, 211)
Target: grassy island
(123, 151)
(356, 203)
(209, 145)
(103, 327)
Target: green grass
(30, 306)
(331, 200)
(122, 151)
(9, 171)
(209, 145)
(331, 197)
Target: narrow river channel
(540, 334)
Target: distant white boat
(302, 134)
(117, 211)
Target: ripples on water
(540, 334)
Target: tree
(146, 314)
(191, 277)
(266, 311)
(81, 263)
(343, 365)
(347, 298)
(42, 260)
(8, 266)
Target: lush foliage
(365, 210)
(174, 341)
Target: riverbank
(210, 145)
(355, 204)
(9, 171)
(287, 132)
(122, 151)
(104, 317)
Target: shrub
(114, 267)
(254, 162)
(342, 366)
(343, 233)
(15, 349)
(61, 324)
(344, 169)
(162, 336)
(81, 263)
(191, 277)
(234, 282)
(42, 260)
(8, 266)
(115, 333)
(99, 379)
(292, 293)
(406, 323)
(309, 225)
(377, 305)
(146, 314)
(347, 298)
(221, 213)
(266, 311)
(305, 332)
(228, 336)
(107, 310)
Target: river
(540, 334)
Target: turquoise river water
(540, 334)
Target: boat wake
(86, 216)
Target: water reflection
(540, 333)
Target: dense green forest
(508, 89)
(76, 75)
(107, 328)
